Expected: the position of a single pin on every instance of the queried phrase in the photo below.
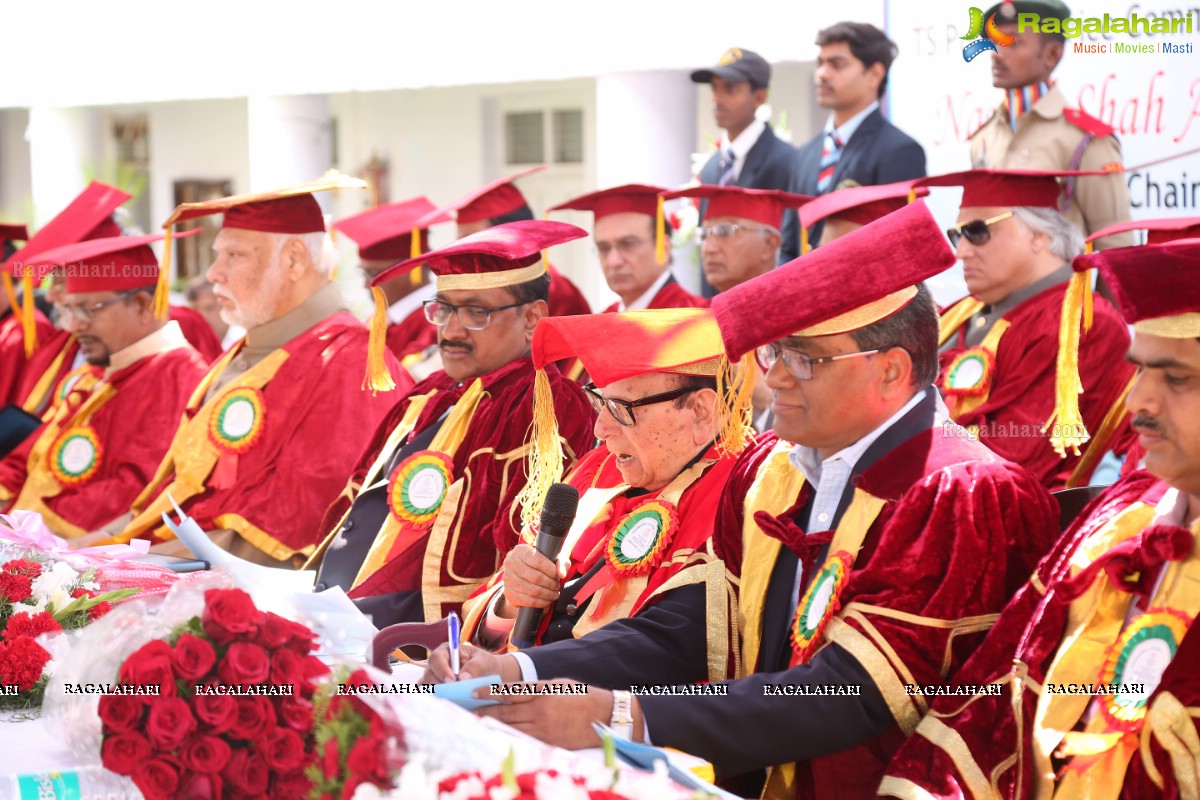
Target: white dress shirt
(847, 128)
(647, 296)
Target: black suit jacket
(876, 154)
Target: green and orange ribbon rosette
(820, 603)
(236, 423)
(418, 486)
(75, 455)
(970, 373)
(641, 538)
(1139, 656)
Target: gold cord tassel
(804, 245)
(28, 313)
(378, 377)
(543, 465)
(660, 241)
(735, 391)
(162, 290)
(1066, 427)
(414, 247)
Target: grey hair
(319, 245)
(914, 328)
(1066, 240)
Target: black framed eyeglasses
(85, 314)
(473, 318)
(976, 231)
(800, 365)
(622, 410)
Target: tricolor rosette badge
(642, 538)
(75, 455)
(1138, 659)
(418, 486)
(820, 603)
(236, 424)
(970, 373)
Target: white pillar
(290, 141)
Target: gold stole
(45, 384)
(192, 455)
(447, 440)
(1094, 623)
(956, 316)
(40, 483)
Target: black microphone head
(561, 500)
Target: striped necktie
(728, 157)
(830, 154)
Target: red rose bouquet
(354, 745)
(41, 596)
(220, 708)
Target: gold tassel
(543, 465)
(162, 291)
(1066, 427)
(28, 312)
(804, 245)
(660, 241)
(735, 391)
(11, 291)
(378, 377)
(414, 249)
(912, 193)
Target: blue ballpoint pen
(455, 642)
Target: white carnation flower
(54, 585)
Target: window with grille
(568, 137)
(524, 138)
(527, 132)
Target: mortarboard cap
(850, 283)
(497, 198)
(1005, 187)
(612, 347)
(737, 66)
(764, 206)
(861, 205)
(85, 213)
(1154, 286)
(291, 210)
(12, 233)
(631, 198)
(106, 265)
(386, 232)
(505, 255)
(1158, 231)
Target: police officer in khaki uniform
(1033, 128)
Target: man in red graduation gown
(648, 498)
(900, 536)
(267, 435)
(101, 447)
(1000, 346)
(633, 251)
(13, 356)
(1092, 686)
(388, 234)
(430, 509)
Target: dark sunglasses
(976, 231)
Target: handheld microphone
(558, 512)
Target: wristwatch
(622, 714)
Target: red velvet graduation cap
(1154, 285)
(84, 214)
(1158, 231)
(633, 198)
(859, 204)
(764, 206)
(13, 233)
(504, 255)
(848, 284)
(497, 198)
(386, 232)
(1006, 187)
(106, 265)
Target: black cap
(738, 65)
(1055, 9)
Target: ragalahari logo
(986, 36)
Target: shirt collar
(323, 303)
(1172, 509)
(847, 128)
(744, 141)
(647, 296)
(168, 337)
(808, 459)
(402, 308)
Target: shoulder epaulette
(1087, 123)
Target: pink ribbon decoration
(27, 528)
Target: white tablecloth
(29, 747)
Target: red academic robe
(671, 295)
(304, 418)
(565, 297)
(621, 589)
(1020, 399)
(197, 331)
(126, 421)
(944, 531)
(13, 362)
(1064, 630)
(448, 555)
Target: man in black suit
(858, 147)
(749, 154)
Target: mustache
(1148, 424)
(442, 345)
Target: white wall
(16, 188)
(62, 143)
